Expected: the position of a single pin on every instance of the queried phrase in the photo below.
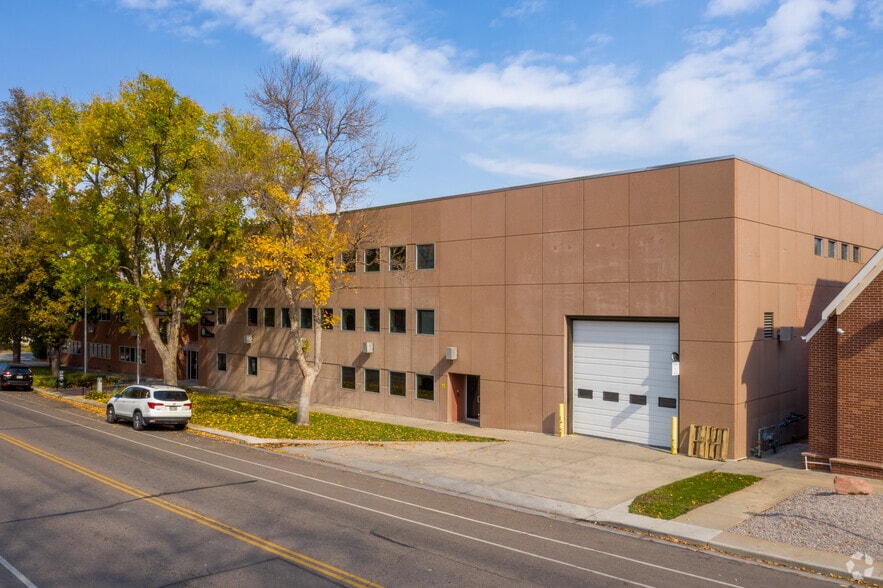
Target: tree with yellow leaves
(334, 134)
(151, 190)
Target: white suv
(150, 405)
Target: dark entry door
(473, 398)
(192, 360)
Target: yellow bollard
(562, 428)
(674, 435)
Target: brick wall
(860, 377)
(823, 390)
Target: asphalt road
(83, 502)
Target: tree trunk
(54, 353)
(16, 350)
(303, 401)
(168, 351)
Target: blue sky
(496, 93)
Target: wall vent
(767, 325)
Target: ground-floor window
(251, 365)
(372, 380)
(99, 350)
(348, 377)
(397, 384)
(222, 362)
(72, 347)
(130, 354)
(425, 387)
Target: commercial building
(630, 298)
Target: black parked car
(13, 375)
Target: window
(610, 396)
(425, 387)
(832, 248)
(348, 259)
(638, 399)
(130, 354)
(582, 393)
(72, 347)
(251, 365)
(372, 320)
(397, 383)
(372, 380)
(222, 315)
(306, 318)
(425, 322)
(348, 377)
(398, 321)
(856, 254)
(99, 350)
(285, 318)
(817, 246)
(348, 319)
(844, 251)
(328, 318)
(372, 260)
(397, 258)
(252, 317)
(426, 257)
(667, 402)
(104, 314)
(767, 325)
(269, 317)
(222, 362)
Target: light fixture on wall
(840, 331)
(675, 356)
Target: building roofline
(593, 176)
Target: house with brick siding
(845, 359)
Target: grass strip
(267, 421)
(672, 500)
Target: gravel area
(818, 518)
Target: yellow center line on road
(263, 544)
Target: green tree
(334, 132)
(23, 207)
(152, 220)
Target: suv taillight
(153, 405)
(188, 405)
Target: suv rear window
(170, 395)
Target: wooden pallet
(709, 442)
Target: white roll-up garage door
(623, 387)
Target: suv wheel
(137, 421)
(111, 415)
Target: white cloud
(736, 90)
(732, 7)
(875, 13)
(523, 8)
(534, 170)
